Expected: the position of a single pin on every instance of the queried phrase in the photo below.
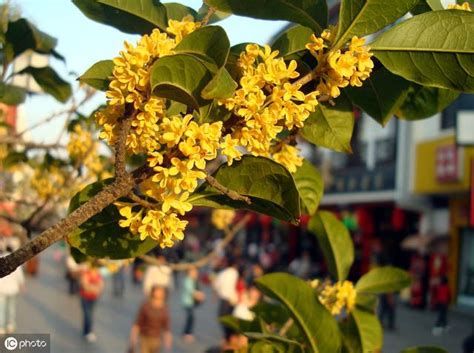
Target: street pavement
(46, 307)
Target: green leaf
(363, 17)
(77, 255)
(176, 11)
(310, 13)
(239, 325)
(331, 127)
(426, 5)
(381, 95)
(98, 75)
(383, 280)
(424, 349)
(317, 325)
(209, 43)
(220, 87)
(269, 185)
(424, 102)
(335, 242)
(22, 35)
(14, 158)
(101, 236)
(362, 332)
(12, 95)
(366, 302)
(258, 336)
(292, 41)
(129, 16)
(310, 186)
(181, 78)
(50, 82)
(432, 49)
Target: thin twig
(284, 329)
(142, 202)
(229, 236)
(211, 11)
(225, 191)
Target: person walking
(152, 325)
(442, 300)
(91, 288)
(225, 286)
(387, 310)
(191, 297)
(158, 275)
(10, 286)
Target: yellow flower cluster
(221, 219)
(267, 102)
(340, 68)
(289, 157)
(336, 297)
(465, 6)
(47, 182)
(84, 149)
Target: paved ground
(46, 308)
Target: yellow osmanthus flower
(84, 149)
(48, 181)
(336, 69)
(338, 297)
(221, 219)
(464, 6)
(288, 156)
(267, 101)
(180, 29)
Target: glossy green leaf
(331, 127)
(423, 102)
(101, 236)
(176, 11)
(433, 49)
(310, 13)
(383, 280)
(310, 185)
(426, 5)
(381, 94)
(367, 302)
(221, 86)
(319, 328)
(362, 332)
(77, 255)
(424, 349)
(129, 16)
(180, 77)
(335, 242)
(12, 95)
(293, 41)
(363, 17)
(269, 185)
(50, 82)
(23, 35)
(98, 75)
(209, 43)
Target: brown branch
(306, 78)
(63, 228)
(229, 236)
(211, 11)
(284, 329)
(28, 145)
(225, 191)
(142, 202)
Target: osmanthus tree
(181, 101)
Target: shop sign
(447, 164)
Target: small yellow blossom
(221, 219)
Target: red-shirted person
(152, 324)
(91, 287)
(442, 300)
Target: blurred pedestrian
(442, 300)
(225, 286)
(158, 275)
(387, 310)
(73, 274)
(91, 288)
(152, 325)
(118, 278)
(10, 286)
(191, 297)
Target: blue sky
(84, 42)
